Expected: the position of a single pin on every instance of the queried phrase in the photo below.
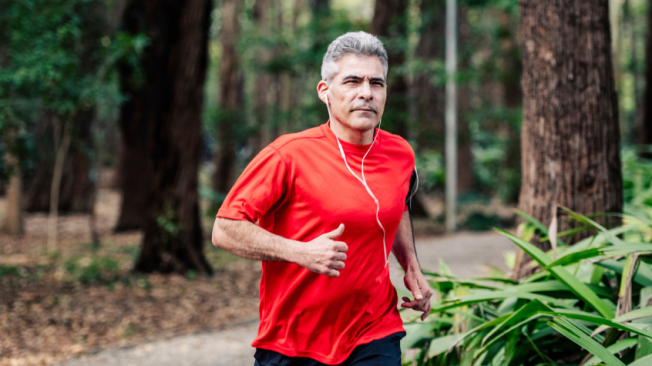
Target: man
(330, 203)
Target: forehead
(351, 64)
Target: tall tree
(570, 134)
(390, 24)
(261, 135)
(427, 90)
(165, 111)
(77, 187)
(230, 98)
(646, 136)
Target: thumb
(335, 233)
(416, 291)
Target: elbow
(217, 237)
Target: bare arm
(322, 255)
(404, 248)
(405, 252)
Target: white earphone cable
(363, 180)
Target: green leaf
(643, 275)
(568, 329)
(644, 347)
(497, 295)
(644, 361)
(443, 344)
(415, 333)
(599, 320)
(615, 348)
(594, 252)
(580, 289)
(526, 311)
(443, 268)
(582, 218)
(541, 227)
(469, 283)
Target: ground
(82, 303)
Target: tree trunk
(77, 187)
(261, 136)
(512, 99)
(166, 112)
(428, 96)
(646, 135)
(390, 24)
(14, 224)
(230, 98)
(136, 114)
(570, 134)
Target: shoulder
(397, 145)
(285, 145)
(291, 140)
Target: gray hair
(361, 44)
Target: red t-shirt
(299, 188)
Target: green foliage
(9, 271)
(94, 270)
(556, 316)
(55, 61)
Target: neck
(351, 135)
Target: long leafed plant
(588, 303)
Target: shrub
(587, 303)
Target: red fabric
(299, 188)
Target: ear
(322, 91)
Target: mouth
(365, 110)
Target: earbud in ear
(326, 96)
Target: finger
(336, 265)
(425, 315)
(339, 256)
(335, 233)
(427, 312)
(414, 287)
(333, 273)
(410, 304)
(341, 246)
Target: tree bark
(135, 115)
(166, 112)
(570, 134)
(390, 24)
(261, 135)
(76, 185)
(14, 223)
(646, 135)
(428, 96)
(230, 98)
(512, 99)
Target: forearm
(403, 248)
(248, 240)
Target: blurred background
(124, 123)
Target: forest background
(151, 110)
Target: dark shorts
(385, 352)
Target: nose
(365, 91)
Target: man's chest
(327, 189)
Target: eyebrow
(355, 77)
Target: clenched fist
(323, 255)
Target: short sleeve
(260, 186)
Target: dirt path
(467, 254)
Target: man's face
(357, 93)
